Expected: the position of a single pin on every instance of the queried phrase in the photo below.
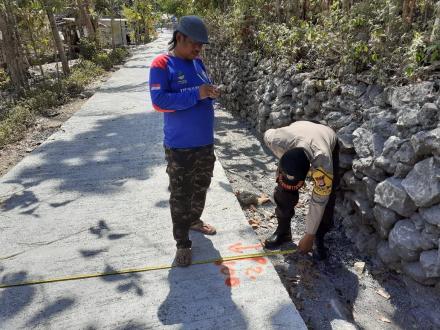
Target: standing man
(181, 89)
(301, 146)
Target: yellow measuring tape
(143, 269)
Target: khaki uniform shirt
(318, 142)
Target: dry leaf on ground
(255, 223)
(263, 199)
(383, 293)
(385, 319)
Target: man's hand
(206, 91)
(305, 245)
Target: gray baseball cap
(193, 27)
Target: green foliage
(81, 75)
(103, 60)
(371, 35)
(4, 80)
(43, 97)
(87, 48)
(14, 126)
(118, 55)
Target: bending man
(304, 146)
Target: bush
(4, 79)
(14, 126)
(41, 100)
(81, 75)
(87, 48)
(103, 60)
(118, 55)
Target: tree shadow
(327, 286)
(127, 282)
(51, 311)
(198, 296)
(96, 161)
(15, 299)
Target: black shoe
(320, 251)
(277, 239)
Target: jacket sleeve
(162, 98)
(322, 187)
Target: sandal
(183, 257)
(203, 227)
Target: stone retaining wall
(390, 150)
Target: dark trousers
(286, 201)
(190, 172)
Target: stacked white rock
(390, 149)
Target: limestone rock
(385, 220)
(428, 116)
(387, 255)
(426, 142)
(430, 261)
(411, 94)
(280, 119)
(366, 143)
(423, 183)
(416, 271)
(370, 187)
(431, 215)
(405, 240)
(390, 194)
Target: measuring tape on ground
(143, 269)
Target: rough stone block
(405, 240)
(416, 272)
(390, 194)
(426, 142)
(385, 220)
(430, 261)
(428, 116)
(423, 183)
(366, 166)
(386, 254)
(431, 215)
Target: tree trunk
(278, 10)
(408, 9)
(346, 4)
(326, 4)
(305, 9)
(84, 12)
(435, 34)
(57, 38)
(13, 56)
(113, 35)
(33, 44)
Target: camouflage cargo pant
(190, 172)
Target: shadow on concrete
(198, 296)
(51, 311)
(163, 204)
(98, 161)
(16, 299)
(252, 162)
(129, 282)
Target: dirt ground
(329, 294)
(44, 127)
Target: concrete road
(93, 198)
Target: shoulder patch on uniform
(322, 182)
(160, 62)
